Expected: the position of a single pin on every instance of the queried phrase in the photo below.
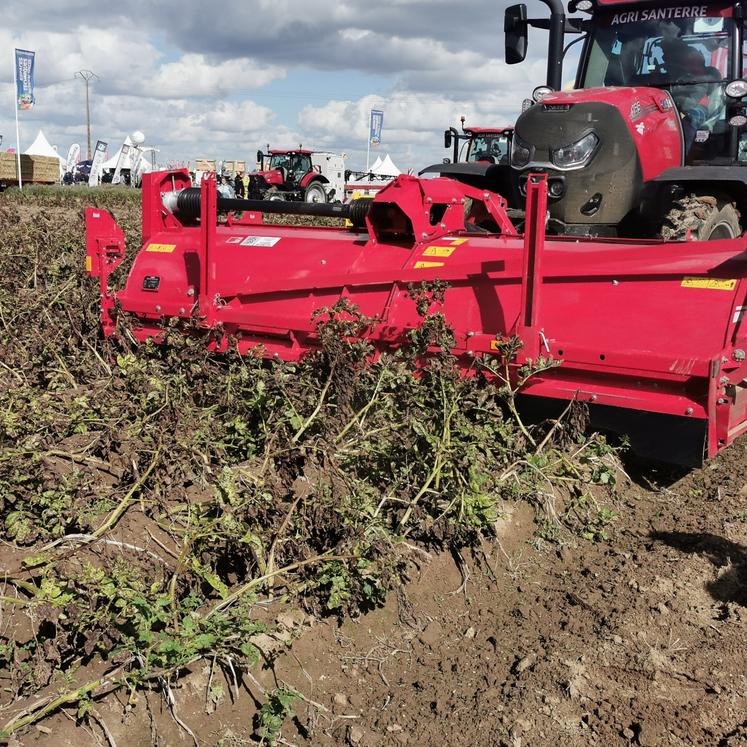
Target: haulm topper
(648, 330)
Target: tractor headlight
(736, 89)
(521, 153)
(577, 154)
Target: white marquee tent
(385, 167)
(127, 161)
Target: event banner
(124, 155)
(138, 168)
(375, 125)
(98, 160)
(24, 78)
(73, 156)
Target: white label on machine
(260, 241)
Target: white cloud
(194, 75)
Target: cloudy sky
(205, 80)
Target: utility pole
(87, 76)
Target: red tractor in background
(488, 144)
(306, 175)
(475, 150)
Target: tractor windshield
(685, 50)
(279, 161)
(488, 147)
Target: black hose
(188, 206)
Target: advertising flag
(24, 79)
(124, 155)
(376, 123)
(73, 156)
(97, 163)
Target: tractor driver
(695, 89)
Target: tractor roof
(488, 130)
(292, 150)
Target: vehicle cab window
(491, 148)
(688, 56)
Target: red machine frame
(644, 327)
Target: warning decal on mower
(260, 241)
(439, 251)
(427, 265)
(709, 283)
(162, 248)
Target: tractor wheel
(704, 217)
(315, 193)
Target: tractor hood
(272, 176)
(598, 146)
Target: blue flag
(376, 123)
(24, 79)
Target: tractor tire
(315, 193)
(703, 218)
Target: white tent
(386, 168)
(375, 165)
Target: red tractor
(651, 143)
(487, 144)
(475, 150)
(305, 175)
(611, 245)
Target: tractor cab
(486, 145)
(687, 51)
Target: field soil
(639, 638)
(636, 641)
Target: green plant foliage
(229, 478)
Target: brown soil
(638, 641)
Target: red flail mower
(611, 241)
(646, 329)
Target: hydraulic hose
(187, 204)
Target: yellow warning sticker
(709, 283)
(426, 265)
(162, 248)
(439, 251)
(88, 264)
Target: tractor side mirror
(447, 139)
(260, 158)
(516, 28)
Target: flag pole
(18, 131)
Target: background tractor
(306, 175)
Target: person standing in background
(238, 185)
(247, 182)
